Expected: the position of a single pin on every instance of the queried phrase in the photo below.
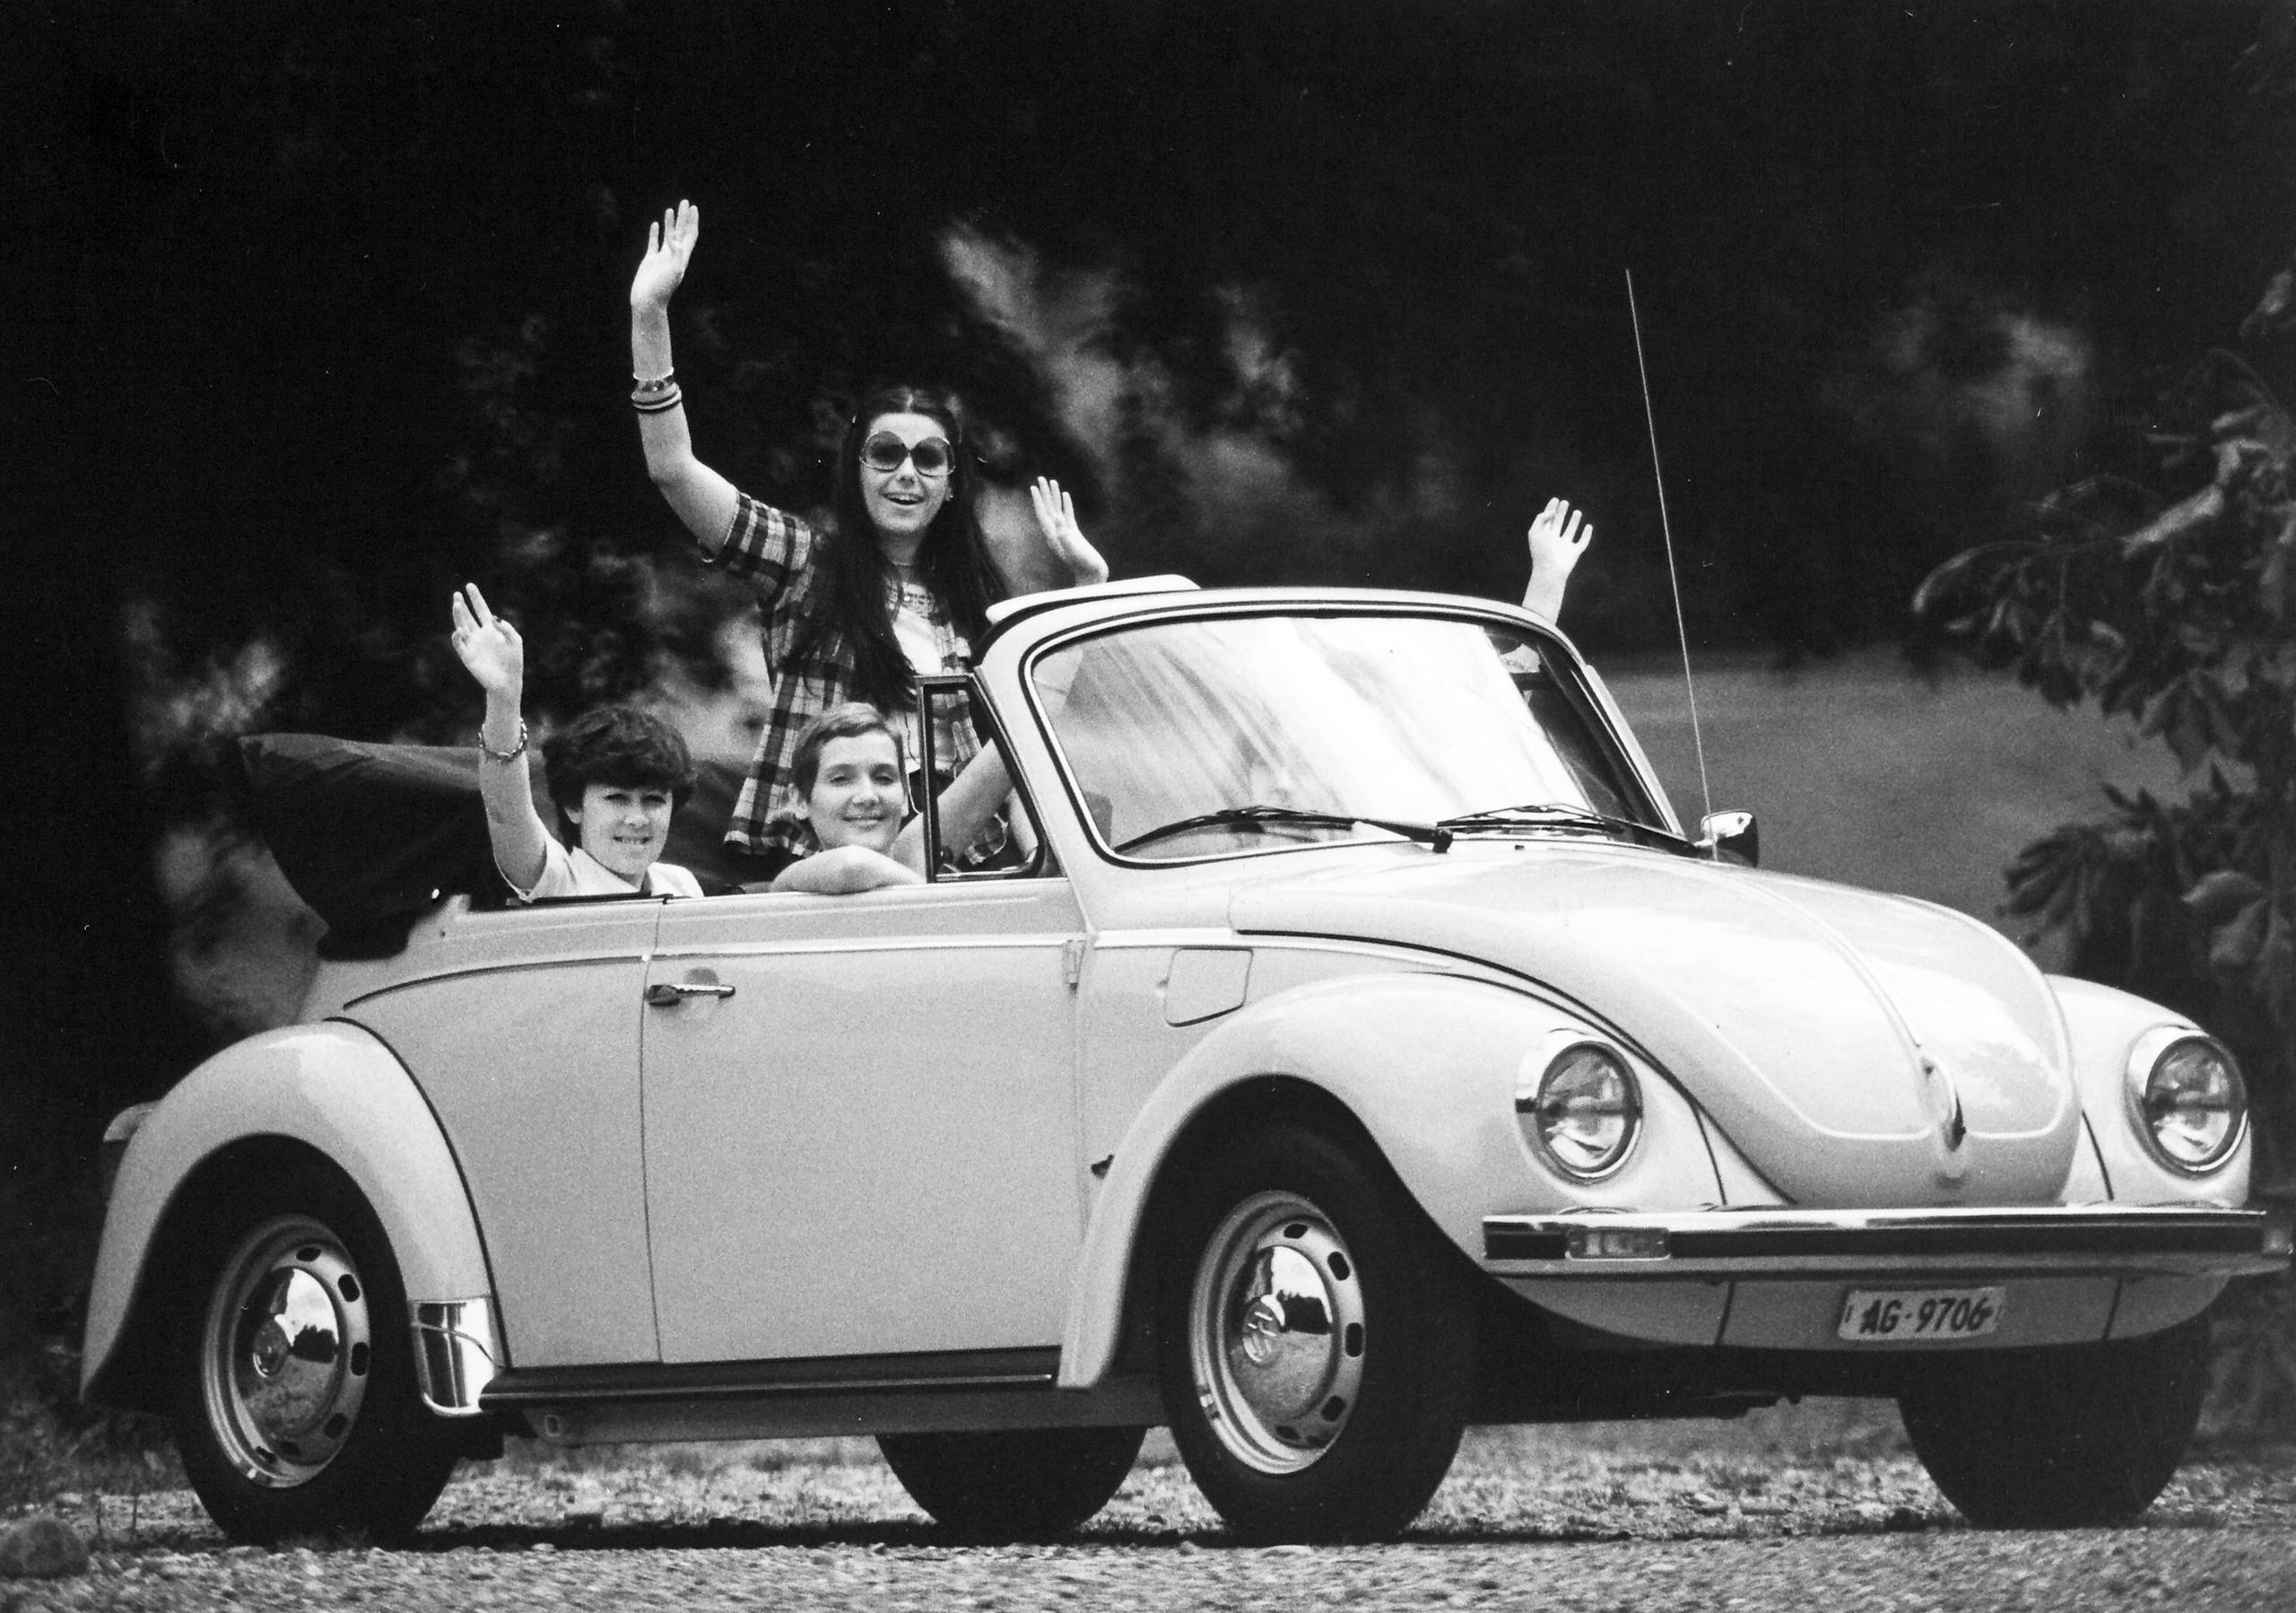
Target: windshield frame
(1589, 702)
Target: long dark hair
(849, 609)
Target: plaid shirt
(773, 551)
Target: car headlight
(1578, 1104)
(2188, 1098)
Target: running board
(940, 1391)
(926, 1370)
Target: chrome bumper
(2059, 1240)
(457, 1354)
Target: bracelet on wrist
(655, 403)
(512, 754)
(660, 383)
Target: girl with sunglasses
(901, 587)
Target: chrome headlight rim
(1541, 1064)
(2146, 1055)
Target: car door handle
(663, 994)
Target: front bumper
(2053, 1240)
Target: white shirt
(577, 873)
(929, 644)
(914, 631)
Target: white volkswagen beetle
(1367, 1050)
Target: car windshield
(1246, 733)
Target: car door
(526, 1043)
(860, 1121)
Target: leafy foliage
(2176, 606)
(2177, 609)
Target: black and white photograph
(1191, 804)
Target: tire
(1315, 1346)
(292, 1373)
(2060, 1438)
(1023, 1485)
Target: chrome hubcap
(1275, 1333)
(284, 1352)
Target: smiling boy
(852, 781)
(616, 773)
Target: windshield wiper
(1564, 813)
(1436, 835)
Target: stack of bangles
(651, 397)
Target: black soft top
(370, 834)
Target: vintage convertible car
(1365, 1049)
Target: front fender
(331, 1087)
(1427, 1064)
(2103, 1024)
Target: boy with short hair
(616, 773)
(853, 781)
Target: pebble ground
(1819, 1508)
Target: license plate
(1909, 1315)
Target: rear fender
(1426, 1064)
(331, 1087)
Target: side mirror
(1731, 835)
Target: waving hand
(1056, 519)
(668, 246)
(496, 657)
(490, 649)
(1556, 543)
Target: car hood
(1856, 1047)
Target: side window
(1556, 709)
(1009, 846)
(1558, 713)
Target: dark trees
(327, 306)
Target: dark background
(319, 308)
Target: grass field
(1861, 772)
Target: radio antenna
(1667, 527)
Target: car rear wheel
(296, 1409)
(2060, 1438)
(1315, 1349)
(1022, 1484)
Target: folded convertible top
(369, 834)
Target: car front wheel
(1024, 1484)
(1314, 1348)
(2060, 1438)
(296, 1409)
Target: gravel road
(1813, 1508)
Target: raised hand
(490, 647)
(1556, 540)
(668, 245)
(1556, 543)
(1056, 519)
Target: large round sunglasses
(884, 452)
